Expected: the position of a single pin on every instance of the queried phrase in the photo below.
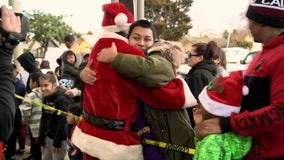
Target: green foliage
(238, 38)
(44, 27)
(170, 17)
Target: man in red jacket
(262, 112)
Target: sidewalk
(27, 152)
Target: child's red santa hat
(223, 95)
(117, 17)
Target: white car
(243, 63)
(235, 54)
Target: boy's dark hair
(86, 56)
(44, 64)
(35, 77)
(70, 38)
(144, 24)
(75, 109)
(70, 53)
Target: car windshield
(249, 57)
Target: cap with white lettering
(267, 12)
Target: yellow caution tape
(169, 146)
(47, 107)
(146, 141)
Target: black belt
(103, 122)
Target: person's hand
(210, 126)
(197, 115)
(73, 92)
(10, 22)
(107, 55)
(87, 75)
(70, 93)
(56, 150)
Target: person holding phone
(10, 37)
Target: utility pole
(228, 40)
(140, 9)
(136, 7)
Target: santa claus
(110, 105)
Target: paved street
(27, 152)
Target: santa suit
(114, 97)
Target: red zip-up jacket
(262, 114)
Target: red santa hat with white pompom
(117, 18)
(223, 95)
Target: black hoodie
(52, 124)
(27, 61)
(200, 75)
(197, 78)
(68, 71)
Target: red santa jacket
(114, 96)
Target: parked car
(235, 54)
(248, 57)
(241, 64)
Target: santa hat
(268, 12)
(223, 95)
(117, 17)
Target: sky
(215, 16)
(208, 16)
(82, 15)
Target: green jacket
(227, 146)
(173, 127)
(170, 126)
(151, 71)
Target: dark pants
(22, 136)
(11, 143)
(35, 147)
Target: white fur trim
(120, 19)
(116, 28)
(103, 149)
(108, 34)
(245, 90)
(190, 101)
(216, 108)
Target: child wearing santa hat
(221, 98)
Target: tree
(238, 38)
(170, 17)
(44, 27)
